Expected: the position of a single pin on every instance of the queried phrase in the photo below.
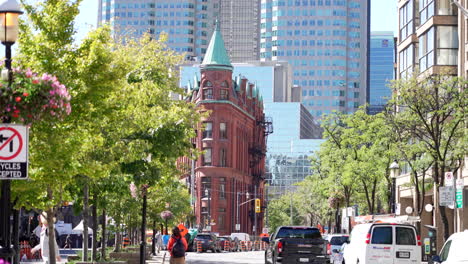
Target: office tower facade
(240, 25)
(326, 43)
(381, 70)
(188, 23)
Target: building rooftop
(216, 56)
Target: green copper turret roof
(216, 56)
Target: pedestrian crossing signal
(258, 206)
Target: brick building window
(222, 157)
(208, 131)
(207, 157)
(207, 93)
(222, 130)
(222, 188)
(223, 94)
(206, 188)
(221, 221)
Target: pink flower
(28, 73)
(45, 77)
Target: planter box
(130, 257)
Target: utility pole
(237, 213)
(290, 208)
(255, 213)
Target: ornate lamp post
(9, 13)
(394, 172)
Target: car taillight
(368, 238)
(419, 240)
(280, 246)
(328, 249)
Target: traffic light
(258, 206)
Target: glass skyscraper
(381, 70)
(189, 23)
(326, 43)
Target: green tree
(432, 113)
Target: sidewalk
(161, 258)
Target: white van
(383, 244)
(240, 236)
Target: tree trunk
(103, 235)
(153, 239)
(85, 221)
(118, 237)
(445, 222)
(51, 234)
(95, 226)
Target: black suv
(208, 242)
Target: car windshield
(203, 237)
(298, 232)
(223, 238)
(338, 240)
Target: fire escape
(257, 149)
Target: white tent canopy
(79, 229)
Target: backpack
(178, 250)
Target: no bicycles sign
(13, 152)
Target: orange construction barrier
(227, 246)
(199, 247)
(257, 245)
(126, 242)
(249, 245)
(243, 247)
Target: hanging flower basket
(166, 215)
(31, 98)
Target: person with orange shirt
(177, 246)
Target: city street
(253, 257)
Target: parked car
(296, 244)
(222, 241)
(208, 242)
(335, 241)
(383, 244)
(454, 250)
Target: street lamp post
(9, 13)
(394, 172)
(238, 205)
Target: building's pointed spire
(216, 56)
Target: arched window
(225, 84)
(207, 84)
(207, 90)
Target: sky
(383, 18)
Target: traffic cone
(199, 247)
(227, 246)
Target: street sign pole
(13, 165)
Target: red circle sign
(4, 144)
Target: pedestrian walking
(44, 241)
(177, 246)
